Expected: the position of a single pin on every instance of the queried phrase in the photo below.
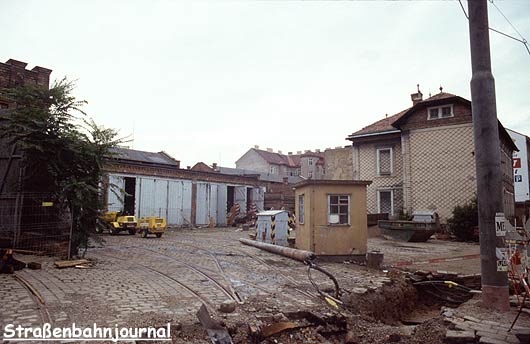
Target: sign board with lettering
(500, 227)
(520, 167)
(502, 259)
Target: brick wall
(339, 163)
(279, 195)
(13, 73)
(418, 119)
(214, 177)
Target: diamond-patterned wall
(368, 171)
(442, 173)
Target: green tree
(63, 151)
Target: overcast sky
(207, 80)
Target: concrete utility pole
(495, 294)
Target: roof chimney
(289, 153)
(270, 150)
(416, 97)
(256, 147)
(214, 166)
(317, 150)
(279, 151)
(298, 152)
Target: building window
(385, 202)
(440, 112)
(297, 172)
(339, 209)
(273, 169)
(310, 161)
(3, 106)
(310, 174)
(384, 161)
(301, 209)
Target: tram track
(192, 291)
(37, 298)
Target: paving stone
(487, 340)
(459, 336)
(498, 336)
(470, 318)
(120, 287)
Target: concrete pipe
(293, 253)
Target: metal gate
(115, 193)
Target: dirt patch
(431, 331)
(387, 304)
(370, 317)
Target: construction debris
(34, 266)
(217, 333)
(228, 306)
(278, 327)
(8, 264)
(374, 259)
(61, 264)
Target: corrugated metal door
(240, 197)
(179, 202)
(186, 202)
(147, 197)
(221, 204)
(201, 209)
(160, 198)
(175, 205)
(115, 193)
(258, 196)
(212, 203)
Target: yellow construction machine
(116, 222)
(151, 225)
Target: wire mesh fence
(34, 222)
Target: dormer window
(438, 112)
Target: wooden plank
(61, 264)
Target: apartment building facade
(422, 158)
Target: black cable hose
(312, 265)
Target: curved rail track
(37, 299)
(262, 262)
(164, 275)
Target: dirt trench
(382, 315)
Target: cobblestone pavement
(169, 277)
(432, 255)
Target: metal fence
(34, 222)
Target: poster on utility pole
(520, 167)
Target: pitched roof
(143, 157)
(441, 95)
(392, 123)
(386, 124)
(201, 166)
(292, 160)
(380, 126)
